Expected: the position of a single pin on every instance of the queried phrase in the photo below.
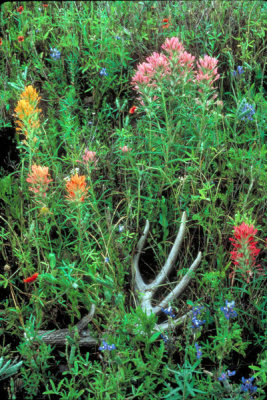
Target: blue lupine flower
(54, 53)
(118, 37)
(103, 72)
(106, 346)
(240, 70)
(246, 111)
(231, 373)
(228, 310)
(168, 311)
(196, 323)
(106, 259)
(223, 376)
(199, 352)
(121, 228)
(247, 386)
(165, 338)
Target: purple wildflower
(247, 386)
(168, 311)
(199, 352)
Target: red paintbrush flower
(31, 278)
(20, 9)
(132, 109)
(21, 38)
(45, 5)
(245, 251)
(1, 41)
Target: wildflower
(196, 323)
(105, 346)
(132, 110)
(168, 311)
(76, 188)
(106, 260)
(247, 386)
(165, 338)
(199, 352)
(21, 38)
(103, 72)
(166, 25)
(172, 45)
(207, 70)
(121, 228)
(225, 375)
(30, 95)
(89, 156)
(228, 310)
(118, 37)
(75, 285)
(39, 179)
(54, 53)
(240, 70)
(245, 250)
(1, 41)
(31, 278)
(45, 5)
(125, 149)
(20, 9)
(246, 111)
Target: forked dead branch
(145, 293)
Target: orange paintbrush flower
(39, 178)
(30, 94)
(76, 188)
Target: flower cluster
(245, 250)
(225, 375)
(76, 188)
(246, 111)
(199, 352)
(247, 386)
(39, 178)
(175, 67)
(54, 53)
(103, 72)
(228, 310)
(207, 70)
(27, 111)
(196, 323)
(168, 311)
(105, 346)
(240, 70)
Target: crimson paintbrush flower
(245, 251)
(31, 278)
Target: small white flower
(75, 285)
(67, 178)
(121, 228)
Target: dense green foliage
(199, 152)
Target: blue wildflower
(103, 72)
(196, 323)
(240, 70)
(118, 37)
(199, 352)
(54, 53)
(246, 111)
(106, 346)
(121, 228)
(228, 310)
(106, 259)
(223, 376)
(165, 338)
(168, 311)
(247, 386)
